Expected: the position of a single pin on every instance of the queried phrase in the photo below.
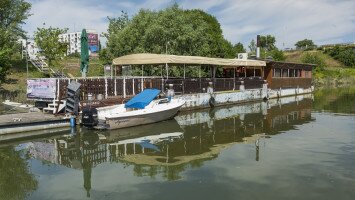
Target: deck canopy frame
(164, 59)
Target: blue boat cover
(142, 99)
(147, 145)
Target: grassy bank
(331, 73)
(71, 66)
(15, 86)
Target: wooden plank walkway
(21, 125)
(27, 118)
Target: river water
(294, 148)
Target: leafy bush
(277, 55)
(314, 59)
(345, 55)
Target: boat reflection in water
(170, 147)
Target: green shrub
(314, 59)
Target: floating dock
(14, 126)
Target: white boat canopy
(150, 59)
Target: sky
(323, 21)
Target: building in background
(73, 39)
(30, 48)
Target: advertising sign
(41, 88)
(93, 41)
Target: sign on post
(41, 89)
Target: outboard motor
(89, 117)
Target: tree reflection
(16, 181)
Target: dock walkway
(23, 122)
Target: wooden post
(124, 87)
(142, 84)
(234, 79)
(167, 70)
(115, 86)
(199, 77)
(58, 88)
(133, 86)
(184, 71)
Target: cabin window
(307, 74)
(284, 72)
(292, 73)
(298, 73)
(277, 72)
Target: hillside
(296, 56)
(332, 73)
(71, 66)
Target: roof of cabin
(146, 58)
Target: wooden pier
(13, 124)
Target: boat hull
(123, 122)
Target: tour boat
(141, 109)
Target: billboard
(93, 42)
(41, 88)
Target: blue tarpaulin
(142, 99)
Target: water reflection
(16, 180)
(169, 148)
(339, 100)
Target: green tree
(172, 31)
(267, 42)
(277, 55)
(345, 55)
(47, 39)
(252, 46)
(305, 44)
(238, 48)
(13, 13)
(314, 59)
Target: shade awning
(146, 58)
(142, 99)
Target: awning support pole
(142, 84)
(234, 78)
(167, 70)
(184, 71)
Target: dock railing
(108, 87)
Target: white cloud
(289, 20)
(324, 21)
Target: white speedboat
(141, 109)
